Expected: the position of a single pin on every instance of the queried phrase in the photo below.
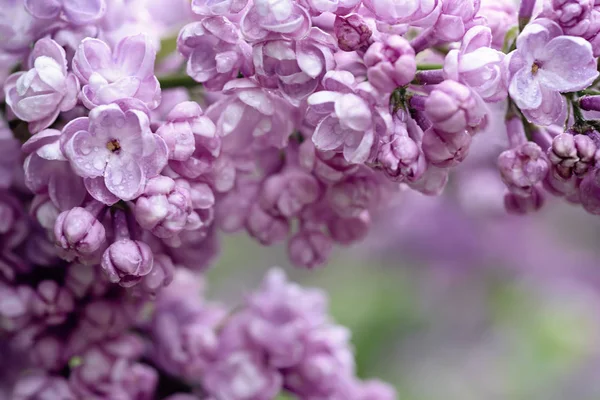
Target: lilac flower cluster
(134, 132)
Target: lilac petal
(124, 177)
(36, 107)
(535, 36)
(43, 9)
(47, 47)
(359, 153)
(39, 140)
(51, 152)
(328, 135)
(353, 112)
(91, 56)
(570, 65)
(97, 189)
(475, 38)
(37, 173)
(66, 190)
(525, 89)
(83, 11)
(135, 55)
(552, 108)
(72, 91)
(88, 154)
(154, 163)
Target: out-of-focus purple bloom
(478, 66)
(523, 167)
(374, 390)
(39, 386)
(404, 11)
(215, 51)
(432, 182)
(251, 116)
(295, 67)
(589, 191)
(500, 16)
(116, 149)
(275, 18)
(77, 12)
(346, 231)
(310, 248)
(241, 375)
(40, 94)
(52, 303)
(19, 29)
(444, 149)
(289, 192)
(218, 7)
(523, 204)
(353, 195)
(264, 227)
(542, 68)
(452, 107)
(328, 167)
(126, 72)
(109, 371)
(352, 32)
(326, 363)
(391, 63)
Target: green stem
(175, 81)
(429, 67)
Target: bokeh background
(450, 298)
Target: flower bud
(452, 107)
(391, 63)
(79, 231)
(572, 154)
(522, 168)
(524, 204)
(127, 261)
(52, 302)
(352, 32)
(444, 149)
(289, 191)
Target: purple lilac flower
(352, 32)
(77, 12)
(110, 75)
(38, 386)
(215, 51)
(114, 151)
(479, 66)
(500, 16)
(541, 69)
(391, 63)
(295, 67)
(274, 18)
(40, 94)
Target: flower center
(534, 68)
(113, 145)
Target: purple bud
(352, 32)
(48, 353)
(391, 63)
(79, 231)
(524, 204)
(590, 103)
(352, 196)
(433, 181)
(572, 154)
(310, 249)
(569, 13)
(444, 149)
(126, 261)
(401, 158)
(522, 168)
(452, 107)
(165, 208)
(52, 303)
